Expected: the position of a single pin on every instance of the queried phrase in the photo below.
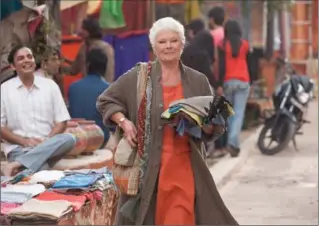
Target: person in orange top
(178, 188)
(235, 79)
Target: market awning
(68, 4)
(93, 5)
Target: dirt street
(280, 189)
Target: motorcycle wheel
(288, 131)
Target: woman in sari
(178, 188)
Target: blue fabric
(9, 6)
(195, 131)
(77, 181)
(129, 51)
(109, 39)
(174, 109)
(181, 127)
(184, 126)
(82, 98)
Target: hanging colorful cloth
(192, 10)
(9, 6)
(111, 14)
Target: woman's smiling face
(168, 45)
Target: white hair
(167, 23)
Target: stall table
(96, 212)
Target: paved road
(280, 189)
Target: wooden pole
(283, 35)
(315, 21)
(270, 34)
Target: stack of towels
(190, 114)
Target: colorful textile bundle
(41, 210)
(111, 14)
(191, 114)
(20, 193)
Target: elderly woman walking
(178, 188)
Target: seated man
(33, 117)
(83, 94)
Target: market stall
(79, 187)
(125, 24)
(73, 197)
(15, 30)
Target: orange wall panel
(69, 49)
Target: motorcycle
(290, 100)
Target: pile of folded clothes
(191, 114)
(47, 196)
(16, 193)
(41, 210)
(81, 181)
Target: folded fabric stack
(45, 177)
(190, 114)
(40, 210)
(28, 199)
(7, 207)
(77, 201)
(20, 193)
(77, 182)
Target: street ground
(280, 189)
(244, 134)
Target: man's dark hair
(196, 26)
(14, 51)
(93, 27)
(217, 13)
(96, 62)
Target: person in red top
(235, 79)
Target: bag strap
(143, 72)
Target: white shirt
(31, 112)
(42, 73)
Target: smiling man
(33, 117)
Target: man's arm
(109, 74)
(57, 129)
(6, 133)
(9, 136)
(61, 114)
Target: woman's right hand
(130, 132)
